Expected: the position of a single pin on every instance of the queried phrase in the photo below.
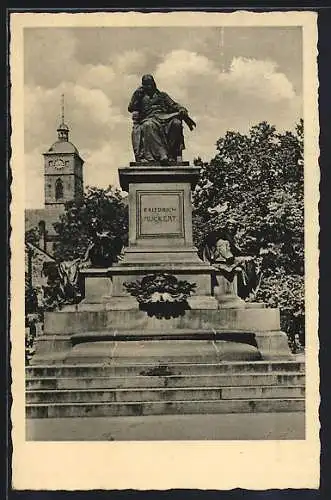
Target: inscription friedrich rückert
(160, 214)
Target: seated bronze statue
(157, 133)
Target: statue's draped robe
(221, 257)
(157, 127)
(221, 254)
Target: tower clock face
(59, 163)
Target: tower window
(58, 189)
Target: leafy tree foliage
(255, 181)
(33, 314)
(31, 298)
(106, 206)
(32, 236)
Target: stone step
(186, 380)
(162, 351)
(164, 408)
(163, 394)
(118, 368)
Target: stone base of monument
(109, 328)
(112, 359)
(100, 284)
(122, 320)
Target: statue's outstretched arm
(189, 122)
(174, 106)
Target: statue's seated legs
(154, 141)
(158, 140)
(174, 131)
(225, 290)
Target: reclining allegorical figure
(157, 134)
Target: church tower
(63, 169)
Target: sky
(227, 81)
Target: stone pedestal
(160, 241)
(121, 321)
(160, 216)
(160, 232)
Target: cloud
(101, 165)
(248, 92)
(41, 116)
(91, 106)
(257, 78)
(97, 128)
(49, 57)
(191, 75)
(182, 71)
(98, 76)
(181, 65)
(98, 71)
(34, 179)
(130, 61)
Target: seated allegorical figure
(103, 250)
(157, 133)
(61, 283)
(220, 250)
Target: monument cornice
(136, 173)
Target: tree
(256, 182)
(106, 206)
(32, 236)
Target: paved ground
(252, 426)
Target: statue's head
(148, 84)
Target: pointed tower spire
(62, 108)
(63, 129)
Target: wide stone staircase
(121, 388)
